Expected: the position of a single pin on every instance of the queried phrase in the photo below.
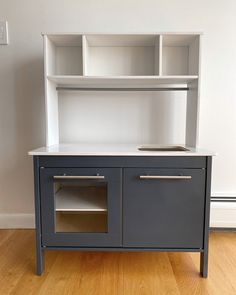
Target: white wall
(21, 78)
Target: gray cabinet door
(163, 208)
(81, 207)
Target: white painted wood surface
(85, 52)
(194, 56)
(110, 150)
(175, 60)
(160, 52)
(121, 81)
(192, 115)
(121, 40)
(156, 55)
(193, 95)
(51, 95)
(120, 60)
(69, 60)
(65, 39)
(178, 39)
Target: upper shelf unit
(121, 62)
(97, 59)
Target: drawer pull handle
(79, 177)
(165, 177)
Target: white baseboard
(17, 221)
(223, 214)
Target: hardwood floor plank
(91, 274)
(148, 273)
(112, 272)
(30, 283)
(15, 256)
(107, 273)
(222, 271)
(187, 274)
(64, 271)
(5, 234)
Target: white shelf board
(125, 81)
(122, 33)
(81, 199)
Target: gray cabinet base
(164, 162)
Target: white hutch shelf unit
(122, 62)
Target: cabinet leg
(40, 261)
(204, 263)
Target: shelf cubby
(121, 55)
(87, 199)
(64, 55)
(180, 55)
(80, 207)
(81, 222)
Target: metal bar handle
(165, 177)
(79, 177)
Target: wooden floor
(86, 273)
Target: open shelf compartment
(80, 206)
(121, 55)
(64, 55)
(180, 55)
(81, 222)
(89, 199)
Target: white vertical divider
(160, 55)
(194, 57)
(85, 55)
(193, 96)
(192, 115)
(51, 96)
(157, 58)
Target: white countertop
(90, 149)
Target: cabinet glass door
(81, 206)
(80, 203)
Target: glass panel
(80, 206)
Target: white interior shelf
(88, 199)
(121, 81)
